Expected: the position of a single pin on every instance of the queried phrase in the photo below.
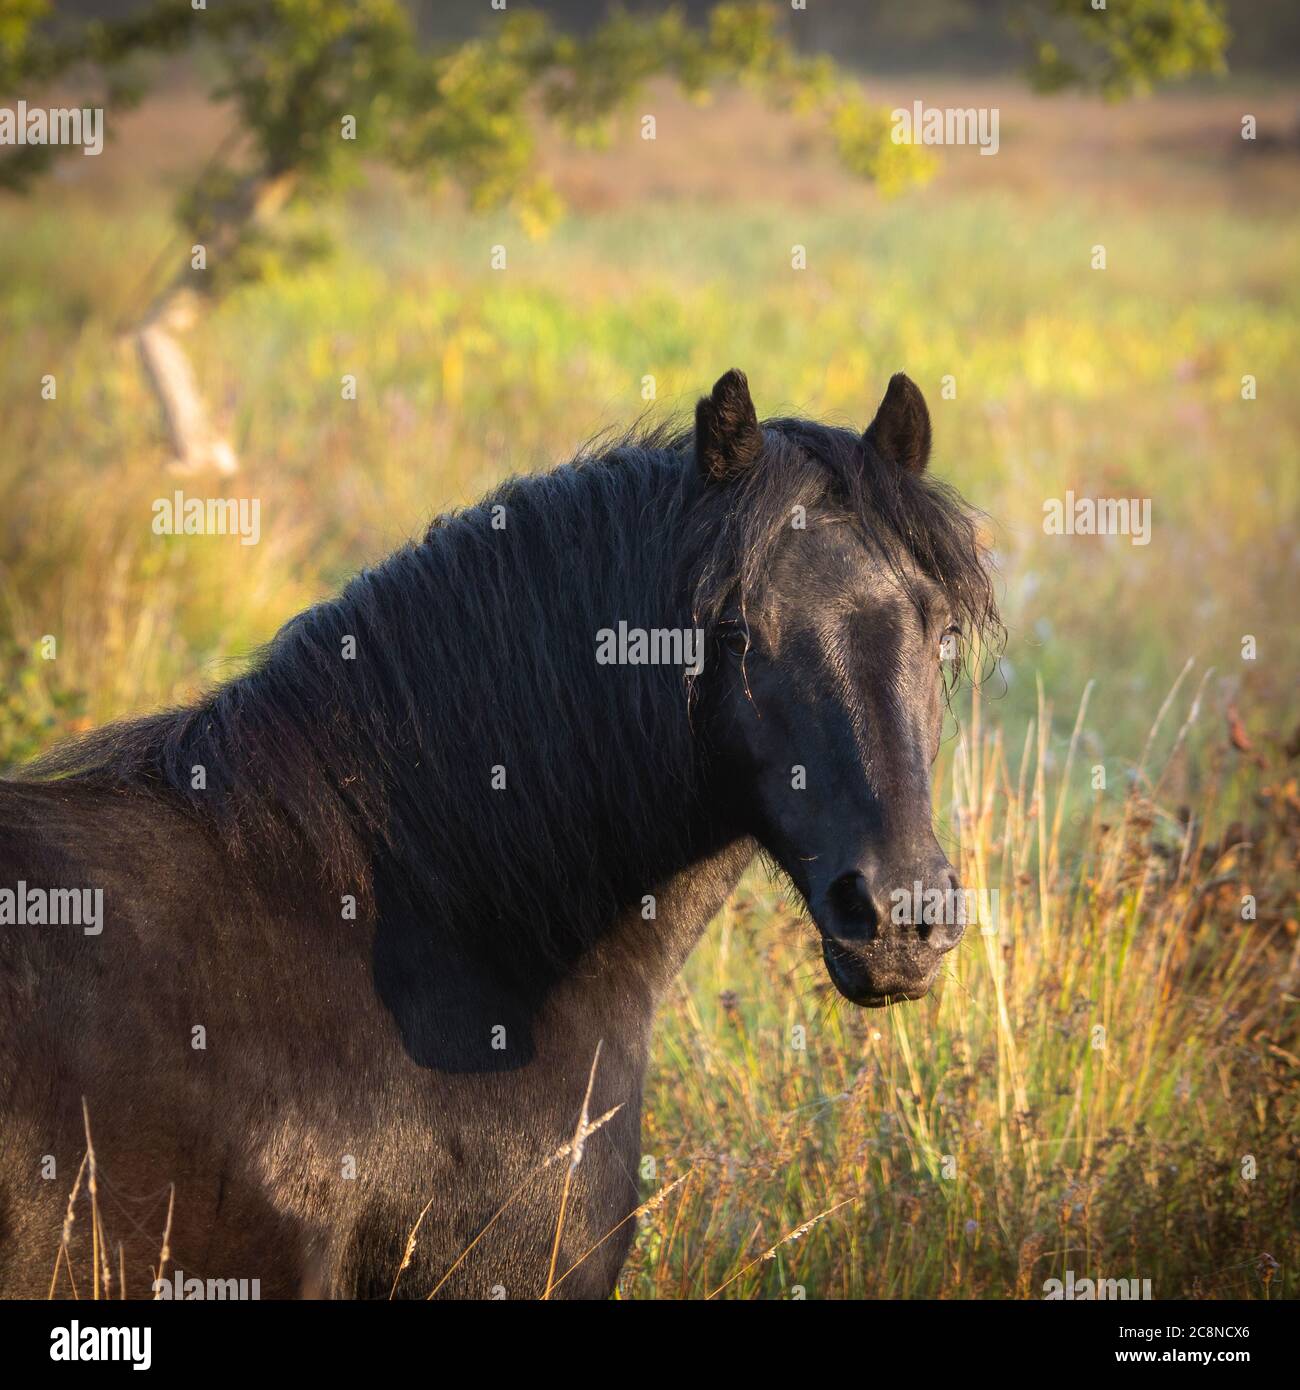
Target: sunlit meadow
(1106, 1079)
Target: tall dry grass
(1106, 1082)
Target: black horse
(368, 910)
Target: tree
(318, 86)
(1122, 50)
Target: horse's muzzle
(875, 979)
(879, 948)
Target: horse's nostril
(855, 913)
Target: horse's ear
(901, 430)
(727, 436)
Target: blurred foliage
(1125, 48)
(320, 84)
(33, 710)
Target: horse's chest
(489, 1161)
(470, 1110)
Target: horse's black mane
(475, 651)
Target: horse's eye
(734, 638)
(948, 643)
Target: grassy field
(1108, 1083)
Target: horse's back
(98, 885)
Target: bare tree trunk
(197, 446)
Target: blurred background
(507, 265)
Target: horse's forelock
(908, 514)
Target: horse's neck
(599, 804)
(640, 956)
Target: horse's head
(853, 578)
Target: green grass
(1113, 383)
